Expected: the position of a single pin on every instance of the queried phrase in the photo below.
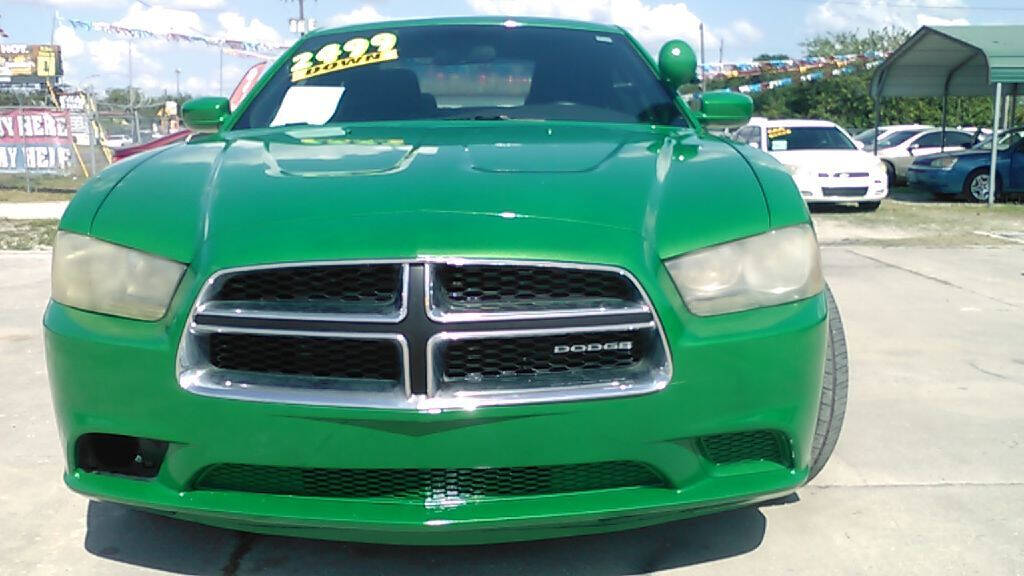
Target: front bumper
(756, 370)
(934, 180)
(821, 189)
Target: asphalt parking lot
(928, 477)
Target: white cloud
(71, 46)
(363, 14)
(190, 4)
(161, 20)
(744, 31)
(650, 23)
(929, 20)
(234, 26)
(110, 56)
(873, 14)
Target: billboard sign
(35, 139)
(29, 63)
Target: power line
(911, 5)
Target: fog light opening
(116, 454)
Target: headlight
(111, 279)
(772, 268)
(945, 163)
(793, 170)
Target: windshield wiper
(480, 117)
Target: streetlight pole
(177, 83)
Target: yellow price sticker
(778, 132)
(335, 57)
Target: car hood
(968, 153)
(411, 190)
(829, 161)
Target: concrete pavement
(928, 477)
(32, 210)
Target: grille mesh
(534, 355)
(511, 288)
(744, 446)
(432, 483)
(306, 356)
(377, 284)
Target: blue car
(965, 173)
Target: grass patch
(909, 220)
(11, 195)
(40, 183)
(27, 234)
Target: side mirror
(677, 64)
(723, 109)
(860, 145)
(205, 114)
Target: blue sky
(746, 27)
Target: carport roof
(955, 60)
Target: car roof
(792, 123)
(475, 21)
(895, 127)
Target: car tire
(890, 173)
(971, 191)
(835, 384)
(869, 206)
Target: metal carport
(944, 61)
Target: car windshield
(1007, 139)
(866, 136)
(782, 138)
(463, 73)
(896, 138)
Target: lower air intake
(745, 446)
(427, 484)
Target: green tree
(765, 57)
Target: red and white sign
(38, 139)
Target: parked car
(898, 149)
(966, 173)
(122, 153)
(822, 158)
(866, 138)
(394, 297)
(117, 141)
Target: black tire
(966, 192)
(869, 206)
(890, 173)
(835, 384)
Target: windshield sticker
(335, 57)
(780, 145)
(313, 105)
(778, 132)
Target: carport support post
(945, 101)
(995, 142)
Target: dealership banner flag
(36, 139)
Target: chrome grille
(430, 484)
(421, 335)
(475, 288)
(345, 358)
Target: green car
(444, 282)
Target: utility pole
(703, 73)
(301, 26)
(721, 54)
(177, 83)
(221, 86)
(131, 97)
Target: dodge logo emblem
(593, 347)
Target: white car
(825, 163)
(899, 149)
(117, 141)
(867, 137)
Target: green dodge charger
(443, 282)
